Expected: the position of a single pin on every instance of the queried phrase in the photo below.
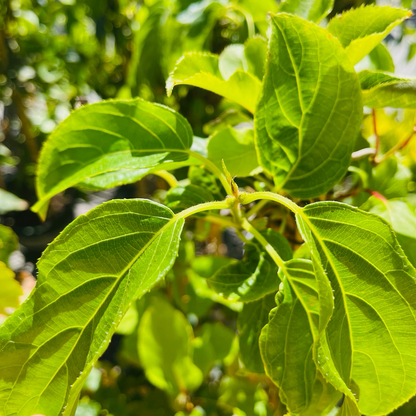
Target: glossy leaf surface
(310, 109)
(87, 278)
(108, 144)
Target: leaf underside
(87, 278)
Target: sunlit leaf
(8, 243)
(202, 70)
(108, 144)
(87, 278)
(368, 339)
(361, 30)
(310, 109)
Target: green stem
(256, 208)
(267, 246)
(246, 198)
(224, 221)
(226, 204)
(167, 176)
(214, 169)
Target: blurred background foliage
(175, 352)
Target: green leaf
(361, 30)
(255, 50)
(384, 90)
(381, 59)
(251, 321)
(165, 349)
(8, 243)
(236, 148)
(10, 289)
(314, 10)
(390, 179)
(182, 197)
(402, 217)
(368, 339)
(310, 109)
(287, 341)
(229, 118)
(87, 279)
(10, 202)
(108, 144)
(254, 276)
(212, 344)
(201, 69)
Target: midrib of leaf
(324, 249)
(68, 182)
(111, 292)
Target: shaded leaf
(201, 69)
(255, 50)
(251, 321)
(384, 90)
(165, 349)
(314, 10)
(254, 276)
(361, 30)
(381, 59)
(87, 278)
(310, 109)
(8, 243)
(182, 197)
(212, 344)
(236, 148)
(108, 144)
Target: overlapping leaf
(202, 70)
(165, 349)
(236, 148)
(87, 278)
(373, 327)
(108, 144)
(310, 109)
(314, 10)
(251, 321)
(361, 30)
(287, 343)
(384, 90)
(8, 243)
(255, 275)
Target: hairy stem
(246, 198)
(214, 169)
